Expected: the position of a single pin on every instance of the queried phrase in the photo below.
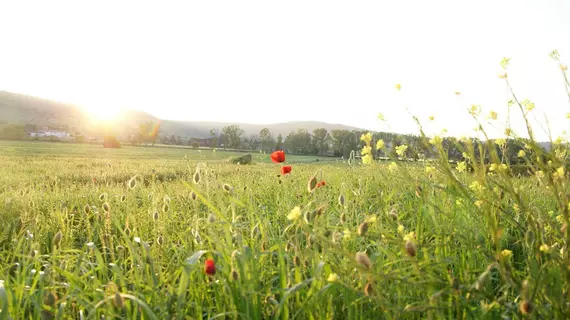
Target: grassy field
(124, 233)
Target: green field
(124, 233)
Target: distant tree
(80, 138)
(279, 143)
(344, 142)
(299, 142)
(111, 142)
(14, 132)
(214, 137)
(266, 139)
(195, 144)
(252, 141)
(320, 136)
(233, 135)
(148, 132)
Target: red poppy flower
(210, 267)
(285, 170)
(278, 156)
(321, 184)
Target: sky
(279, 61)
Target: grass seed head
(193, 195)
(106, 207)
(297, 261)
(211, 218)
(155, 216)
(363, 260)
(86, 209)
(159, 240)
(165, 208)
(235, 275)
(102, 197)
(393, 214)
(123, 198)
(228, 188)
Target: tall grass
(127, 237)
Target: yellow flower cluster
(367, 149)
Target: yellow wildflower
(479, 203)
(461, 166)
(410, 236)
(366, 137)
(544, 248)
(401, 150)
(435, 140)
(501, 142)
(294, 214)
(333, 277)
(431, 118)
(400, 228)
(430, 169)
(493, 115)
(380, 144)
(398, 86)
(521, 154)
(507, 253)
(393, 166)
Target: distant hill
(19, 108)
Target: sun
(102, 112)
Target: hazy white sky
(276, 61)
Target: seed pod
(165, 208)
(227, 188)
(123, 198)
(363, 228)
(193, 195)
(86, 209)
(106, 207)
(102, 196)
(342, 218)
(159, 240)
(211, 218)
(132, 183)
(155, 216)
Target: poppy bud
(526, 307)
(363, 228)
(57, 238)
(196, 177)
(341, 200)
(363, 260)
(118, 301)
(312, 184)
(410, 248)
(368, 289)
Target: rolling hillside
(24, 109)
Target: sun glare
(102, 112)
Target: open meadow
(161, 233)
